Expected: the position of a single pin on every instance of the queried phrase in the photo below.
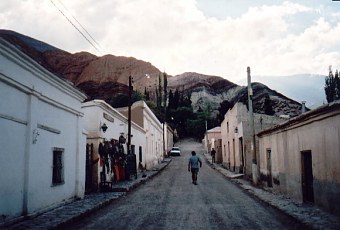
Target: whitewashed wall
(32, 100)
(154, 136)
(117, 123)
(143, 115)
(233, 119)
(169, 138)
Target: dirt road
(171, 201)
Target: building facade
(43, 142)
(168, 138)
(108, 128)
(236, 137)
(142, 115)
(214, 140)
(301, 157)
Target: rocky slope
(106, 76)
(213, 90)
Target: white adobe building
(142, 115)
(99, 114)
(168, 138)
(213, 139)
(42, 142)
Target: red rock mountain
(102, 77)
(106, 76)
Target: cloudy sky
(215, 37)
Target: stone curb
(125, 189)
(72, 218)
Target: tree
(332, 86)
(159, 92)
(122, 100)
(176, 99)
(223, 109)
(165, 89)
(171, 101)
(136, 96)
(185, 100)
(146, 95)
(180, 117)
(268, 108)
(337, 84)
(196, 128)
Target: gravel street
(171, 201)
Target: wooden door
(88, 172)
(269, 168)
(241, 154)
(307, 176)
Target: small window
(58, 166)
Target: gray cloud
(177, 36)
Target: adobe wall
(318, 134)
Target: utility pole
(165, 83)
(131, 156)
(252, 130)
(129, 117)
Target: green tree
(171, 101)
(337, 84)
(160, 91)
(222, 110)
(176, 99)
(185, 100)
(165, 89)
(137, 96)
(268, 107)
(196, 128)
(179, 118)
(146, 95)
(332, 86)
(122, 100)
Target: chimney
(303, 106)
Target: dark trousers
(194, 173)
(213, 158)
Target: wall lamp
(236, 130)
(35, 136)
(103, 127)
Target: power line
(94, 40)
(74, 26)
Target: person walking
(194, 164)
(213, 153)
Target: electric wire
(75, 26)
(94, 40)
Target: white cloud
(176, 36)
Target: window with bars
(58, 166)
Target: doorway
(241, 154)
(307, 176)
(88, 171)
(234, 157)
(269, 168)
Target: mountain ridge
(107, 76)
